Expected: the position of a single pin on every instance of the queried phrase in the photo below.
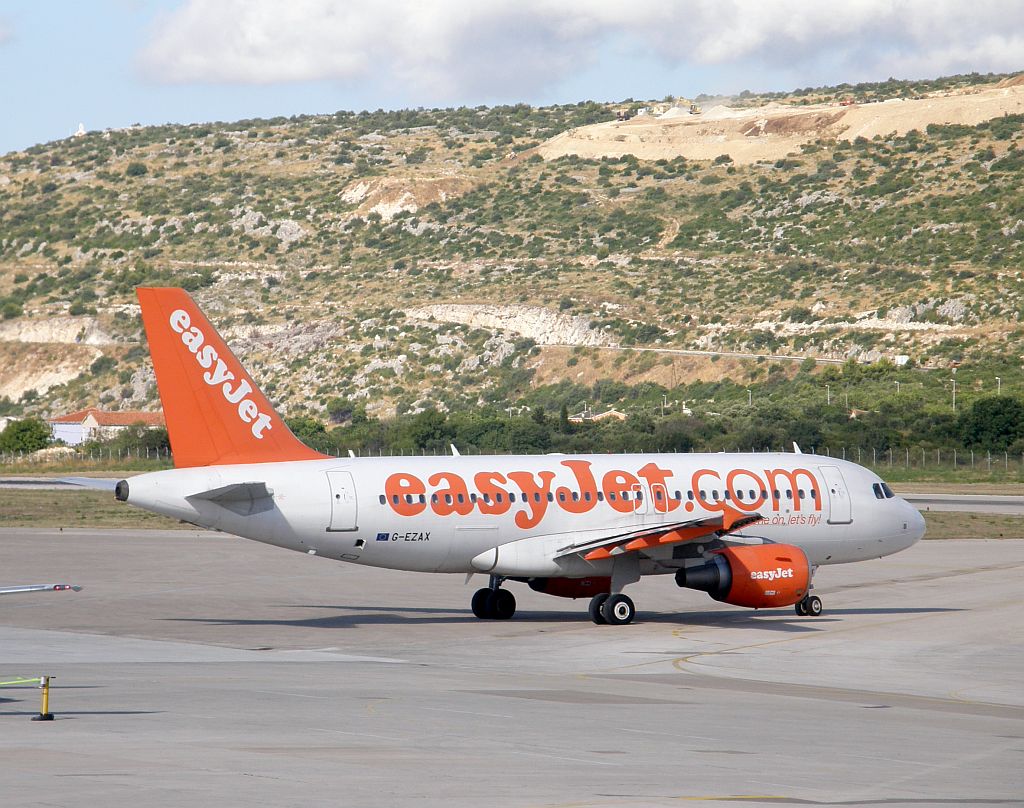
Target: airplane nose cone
(915, 523)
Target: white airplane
(748, 529)
(22, 590)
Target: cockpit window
(877, 488)
(888, 491)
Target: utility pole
(999, 386)
(897, 388)
(954, 394)
(828, 394)
(664, 403)
(750, 397)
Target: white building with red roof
(93, 423)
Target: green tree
(28, 435)
(993, 423)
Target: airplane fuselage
(439, 514)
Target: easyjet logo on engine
(493, 492)
(218, 375)
(770, 575)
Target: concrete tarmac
(200, 669)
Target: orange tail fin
(214, 411)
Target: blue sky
(113, 63)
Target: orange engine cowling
(759, 576)
(571, 587)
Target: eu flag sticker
(383, 536)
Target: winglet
(214, 411)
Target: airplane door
(343, 501)
(639, 497)
(840, 509)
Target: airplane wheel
(618, 610)
(501, 604)
(800, 607)
(813, 606)
(479, 603)
(596, 603)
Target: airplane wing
(21, 590)
(660, 535)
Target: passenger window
(383, 500)
(408, 499)
(777, 494)
(703, 496)
(753, 496)
(764, 494)
(789, 494)
(487, 499)
(739, 494)
(512, 497)
(536, 496)
(611, 496)
(689, 495)
(678, 496)
(657, 495)
(499, 497)
(423, 499)
(600, 496)
(726, 495)
(448, 499)
(394, 499)
(472, 497)
(462, 497)
(814, 494)
(800, 493)
(561, 496)
(586, 496)
(433, 498)
(714, 494)
(639, 495)
(624, 495)
(551, 497)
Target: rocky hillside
(452, 258)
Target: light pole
(999, 386)
(954, 393)
(750, 397)
(897, 388)
(664, 403)
(828, 393)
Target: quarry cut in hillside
(543, 326)
(775, 130)
(389, 196)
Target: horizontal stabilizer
(91, 482)
(244, 499)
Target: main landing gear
(612, 610)
(493, 602)
(810, 606)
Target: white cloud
(453, 50)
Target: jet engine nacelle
(571, 587)
(758, 576)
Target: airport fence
(905, 458)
